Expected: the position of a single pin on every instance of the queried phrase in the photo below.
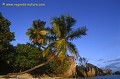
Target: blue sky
(101, 17)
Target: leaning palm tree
(62, 33)
(62, 29)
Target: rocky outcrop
(99, 71)
(89, 71)
(116, 73)
(107, 72)
(81, 71)
(71, 72)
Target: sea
(104, 77)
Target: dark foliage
(6, 49)
(26, 57)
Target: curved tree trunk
(49, 60)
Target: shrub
(26, 57)
(57, 66)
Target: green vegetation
(57, 67)
(6, 49)
(46, 44)
(62, 29)
(26, 57)
(5, 35)
(82, 62)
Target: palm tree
(62, 29)
(62, 33)
(37, 33)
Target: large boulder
(91, 71)
(99, 71)
(81, 71)
(88, 71)
(71, 72)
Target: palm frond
(31, 33)
(59, 26)
(58, 48)
(38, 24)
(56, 26)
(56, 30)
(48, 50)
(77, 33)
(43, 32)
(69, 22)
(50, 39)
(62, 54)
(72, 48)
(61, 48)
(59, 44)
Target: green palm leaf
(62, 29)
(77, 33)
(72, 48)
(70, 22)
(56, 30)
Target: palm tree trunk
(49, 60)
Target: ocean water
(104, 77)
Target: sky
(101, 45)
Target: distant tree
(82, 61)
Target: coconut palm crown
(37, 33)
(62, 29)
